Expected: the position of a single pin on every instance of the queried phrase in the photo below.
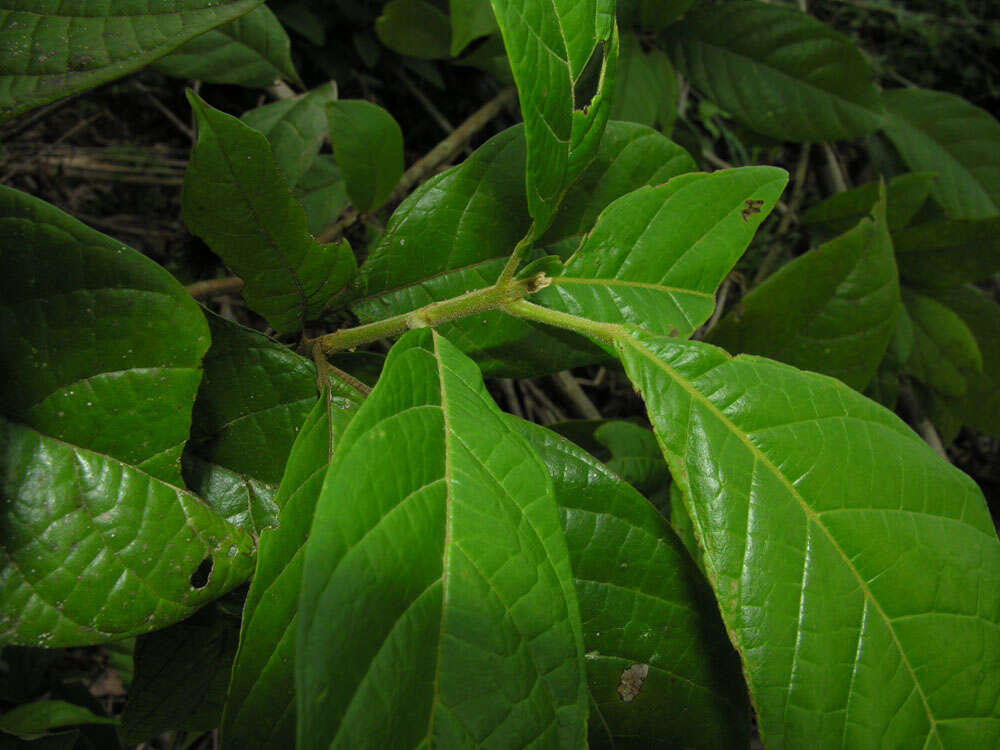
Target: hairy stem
(606, 333)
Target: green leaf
(48, 55)
(832, 310)
(459, 550)
(651, 15)
(368, 146)
(253, 399)
(101, 348)
(41, 716)
(414, 28)
(980, 408)
(470, 19)
(181, 674)
(943, 133)
(455, 231)
(949, 252)
(906, 194)
(943, 346)
(322, 193)
(235, 199)
(656, 255)
(780, 71)
(643, 602)
(549, 43)
(253, 50)
(857, 572)
(295, 128)
(646, 86)
(260, 712)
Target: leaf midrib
(809, 513)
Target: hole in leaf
(631, 682)
(199, 579)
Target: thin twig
(507, 386)
(570, 386)
(835, 173)
(165, 111)
(910, 407)
(215, 287)
(557, 414)
(421, 97)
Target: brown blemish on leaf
(753, 207)
(632, 681)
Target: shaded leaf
(642, 601)
(253, 399)
(943, 133)
(41, 716)
(295, 128)
(100, 348)
(857, 572)
(253, 50)
(368, 146)
(322, 193)
(459, 550)
(949, 252)
(651, 15)
(905, 195)
(260, 712)
(646, 86)
(943, 345)
(69, 48)
(235, 199)
(657, 255)
(831, 310)
(414, 28)
(181, 674)
(549, 45)
(782, 72)
(470, 19)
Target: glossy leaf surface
(254, 397)
(905, 196)
(236, 200)
(656, 255)
(253, 50)
(942, 133)
(460, 550)
(368, 146)
(260, 711)
(642, 601)
(181, 674)
(295, 128)
(831, 310)
(46, 56)
(949, 252)
(414, 28)
(857, 572)
(943, 345)
(782, 72)
(549, 44)
(455, 231)
(100, 349)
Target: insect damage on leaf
(753, 207)
(631, 682)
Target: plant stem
(491, 298)
(214, 287)
(520, 251)
(607, 333)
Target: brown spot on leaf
(632, 681)
(753, 206)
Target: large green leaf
(295, 128)
(656, 255)
(322, 193)
(253, 50)
(645, 608)
(100, 349)
(260, 712)
(832, 310)
(782, 72)
(454, 232)
(470, 19)
(949, 252)
(51, 51)
(236, 200)
(646, 86)
(368, 146)
(857, 572)
(980, 407)
(943, 133)
(452, 565)
(905, 196)
(943, 346)
(549, 43)
(181, 674)
(415, 28)
(253, 399)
